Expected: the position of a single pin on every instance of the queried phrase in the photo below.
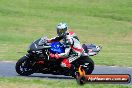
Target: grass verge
(50, 83)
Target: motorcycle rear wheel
(90, 67)
(87, 63)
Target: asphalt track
(7, 69)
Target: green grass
(104, 22)
(50, 83)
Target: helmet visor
(61, 31)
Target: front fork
(30, 60)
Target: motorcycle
(37, 60)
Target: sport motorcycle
(38, 60)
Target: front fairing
(36, 45)
(40, 44)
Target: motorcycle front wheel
(23, 66)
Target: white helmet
(62, 29)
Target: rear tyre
(23, 66)
(87, 63)
(89, 66)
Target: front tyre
(23, 66)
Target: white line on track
(7, 61)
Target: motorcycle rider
(73, 48)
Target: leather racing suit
(73, 48)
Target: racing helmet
(62, 29)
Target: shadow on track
(50, 76)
